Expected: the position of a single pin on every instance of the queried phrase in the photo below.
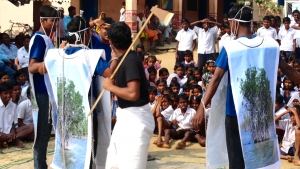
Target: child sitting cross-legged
(8, 132)
(163, 112)
(24, 111)
(181, 119)
(291, 140)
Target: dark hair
(197, 87)
(188, 53)
(141, 55)
(267, 18)
(4, 34)
(191, 77)
(254, 23)
(167, 96)
(212, 19)
(187, 67)
(73, 26)
(272, 17)
(160, 81)
(183, 96)
(295, 11)
(28, 91)
(19, 73)
(167, 89)
(71, 8)
(152, 89)
(178, 65)
(225, 25)
(26, 37)
(286, 19)
(120, 35)
(279, 99)
(186, 86)
(14, 83)
(293, 84)
(108, 20)
(162, 70)
(194, 97)
(3, 74)
(48, 11)
(140, 46)
(244, 14)
(123, 3)
(175, 96)
(297, 61)
(225, 15)
(277, 18)
(151, 70)
(298, 109)
(283, 53)
(151, 57)
(5, 86)
(174, 84)
(185, 20)
(292, 57)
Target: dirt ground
(192, 157)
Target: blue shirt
(222, 62)
(3, 57)
(37, 51)
(66, 20)
(11, 51)
(97, 43)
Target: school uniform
(288, 137)
(184, 121)
(186, 40)
(23, 57)
(167, 113)
(11, 51)
(287, 40)
(24, 111)
(278, 113)
(7, 116)
(206, 44)
(262, 32)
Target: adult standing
(123, 12)
(68, 18)
(60, 36)
(129, 149)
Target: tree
(258, 104)
(72, 120)
(269, 7)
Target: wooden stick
(128, 50)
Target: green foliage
(269, 7)
(258, 104)
(71, 115)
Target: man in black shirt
(133, 130)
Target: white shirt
(287, 37)
(24, 89)
(185, 39)
(184, 121)
(141, 22)
(226, 37)
(122, 15)
(279, 112)
(167, 112)
(24, 111)
(262, 32)
(206, 40)
(7, 116)
(23, 57)
(289, 134)
(153, 104)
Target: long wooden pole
(128, 50)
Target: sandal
(180, 145)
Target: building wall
(21, 14)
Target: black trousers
(234, 148)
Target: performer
(129, 149)
(39, 45)
(241, 17)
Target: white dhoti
(130, 140)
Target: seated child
(151, 76)
(4, 77)
(163, 73)
(188, 59)
(172, 78)
(152, 97)
(167, 90)
(198, 75)
(208, 75)
(163, 112)
(189, 70)
(152, 61)
(182, 119)
(279, 109)
(161, 84)
(17, 98)
(21, 77)
(175, 87)
(290, 143)
(192, 80)
(8, 132)
(174, 100)
(187, 89)
(197, 90)
(24, 111)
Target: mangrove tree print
(72, 121)
(258, 104)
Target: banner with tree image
(70, 78)
(253, 65)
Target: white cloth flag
(72, 125)
(253, 65)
